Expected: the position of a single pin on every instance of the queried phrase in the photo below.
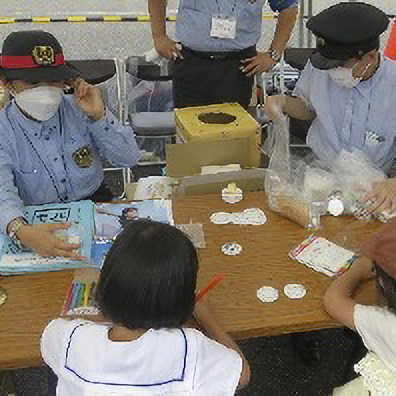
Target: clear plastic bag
(302, 188)
(142, 96)
(277, 147)
(284, 181)
(355, 176)
(355, 173)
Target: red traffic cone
(390, 50)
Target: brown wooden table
(33, 300)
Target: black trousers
(200, 79)
(102, 194)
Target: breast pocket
(29, 184)
(379, 145)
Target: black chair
(298, 58)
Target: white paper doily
(267, 294)
(231, 249)
(295, 291)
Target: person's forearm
(338, 299)
(10, 202)
(213, 329)
(345, 285)
(296, 108)
(284, 27)
(115, 141)
(157, 10)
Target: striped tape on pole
(105, 18)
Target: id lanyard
(224, 26)
(232, 9)
(41, 160)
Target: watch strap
(274, 55)
(13, 228)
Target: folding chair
(154, 129)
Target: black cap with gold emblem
(34, 56)
(345, 31)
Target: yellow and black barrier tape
(103, 18)
(4, 20)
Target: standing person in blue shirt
(50, 144)
(217, 58)
(349, 92)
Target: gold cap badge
(43, 55)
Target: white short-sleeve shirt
(360, 118)
(377, 327)
(160, 362)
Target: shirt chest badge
(223, 27)
(83, 157)
(373, 139)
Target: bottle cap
(335, 207)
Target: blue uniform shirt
(363, 117)
(195, 16)
(38, 159)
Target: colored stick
(212, 284)
(67, 302)
(93, 292)
(76, 288)
(86, 293)
(81, 295)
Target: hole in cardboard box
(216, 118)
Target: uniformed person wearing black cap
(50, 142)
(349, 91)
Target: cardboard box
(187, 159)
(214, 141)
(247, 180)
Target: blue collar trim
(181, 379)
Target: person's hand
(261, 63)
(274, 106)
(382, 196)
(364, 268)
(41, 239)
(89, 99)
(167, 47)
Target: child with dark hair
(146, 292)
(375, 324)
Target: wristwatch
(13, 228)
(274, 55)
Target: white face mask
(41, 102)
(344, 76)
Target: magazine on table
(110, 219)
(15, 259)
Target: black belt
(221, 55)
